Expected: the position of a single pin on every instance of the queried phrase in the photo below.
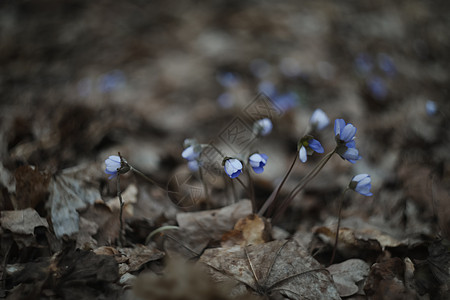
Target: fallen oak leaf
(278, 267)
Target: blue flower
(262, 127)
(111, 81)
(233, 167)
(308, 145)
(345, 139)
(319, 119)
(431, 107)
(191, 153)
(361, 184)
(386, 64)
(114, 166)
(377, 87)
(258, 161)
(227, 79)
(193, 165)
(364, 63)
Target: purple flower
(361, 184)
(114, 166)
(345, 139)
(262, 127)
(308, 145)
(258, 161)
(233, 167)
(319, 119)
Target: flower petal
(348, 133)
(315, 145)
(339, 125)
(302, 154)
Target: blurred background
(81, 80)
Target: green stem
(341, 200)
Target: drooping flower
(361, 184)
(431, 107)
(345, 139)
(115, 165)
(258, 161)
(262, 127)
(191, 153)
(319, 119)
(233, 167)
(307, 146)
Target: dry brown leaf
(251, 230)
(70, 191)
(213, 223)
(385, 281)
(348, 274)
(22, 221)
(129, 196)
(139, 255)
(274, 268)
(197, 229)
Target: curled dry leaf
(280, 268)
(348, 274)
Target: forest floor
(84, 80)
